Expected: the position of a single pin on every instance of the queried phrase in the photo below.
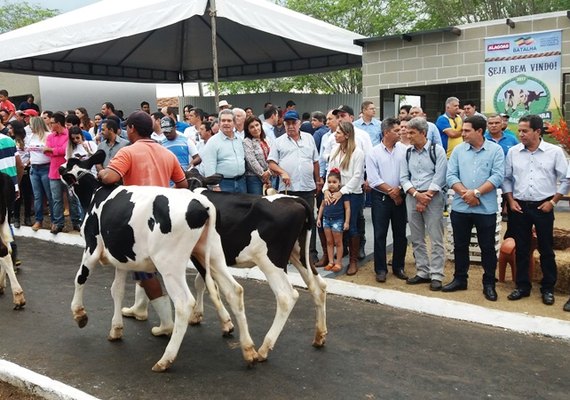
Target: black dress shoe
(454, 286)
(381, 276)
(518, 294)
(490, 292)
(417, 279)
(567, 306)
(400, 274)
(548, 298)
(435, 285)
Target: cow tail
(306, 233)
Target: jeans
(57, 188)
(41, 189)
(485, 224)
(521, 225)
(384, 211)
(233, 185)
(254, 185)
(356, 206)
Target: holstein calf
(7, 195)
(268, 232)
(136, 228)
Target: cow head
(196, 180)
(75, 169)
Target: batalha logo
(498, 46)
(524, 41)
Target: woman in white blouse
(39, 169)
(349, 159)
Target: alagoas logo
(499, 46)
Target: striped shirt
(8, 159)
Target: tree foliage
(386, 17)
(18, 15)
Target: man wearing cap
(224, 155)
(294, 157)
(364, 143)
(27, 114)
(183, 148)
(224, 105)
(505, 124)
(132, 164)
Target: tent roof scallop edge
(158, 41)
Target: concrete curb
(517, 322)
(38, 384)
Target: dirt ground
(9, 392)
(531, 305)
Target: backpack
(432, 155)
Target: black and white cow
(7, 195)
(146, 229)
(268, 232)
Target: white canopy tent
(167, 41)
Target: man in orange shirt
(146, 163)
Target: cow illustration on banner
(523, 75)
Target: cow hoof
(251, 357)
(82, 321)
(19, 306)
(115, 334)
(320, 340)
(196, 319)
(262, 354)
(161, 366)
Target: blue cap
(291, 115)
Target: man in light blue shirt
(388, 206)
(475, 170)
(368, 123)
(422, 176)
(224, 154)
(432, 133)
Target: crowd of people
(338, 162)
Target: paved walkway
(373, 351)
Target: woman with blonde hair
(349, 160)
(39, 169)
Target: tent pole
(214, 51)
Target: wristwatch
(477, 193)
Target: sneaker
(36, 226)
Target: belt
(235, 178)
(40, 165)
(524, 203)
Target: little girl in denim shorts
(334, 219)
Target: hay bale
(561, 239)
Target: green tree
(386, 17)
(17, 15)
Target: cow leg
(198, 311)
(318, 289)
(17, 292)
(286, 297)
(88, 263)
(177, 288)
(118, 293)
(233, 293)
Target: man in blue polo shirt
(475, 170)
(368, 123)
(495, 133)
